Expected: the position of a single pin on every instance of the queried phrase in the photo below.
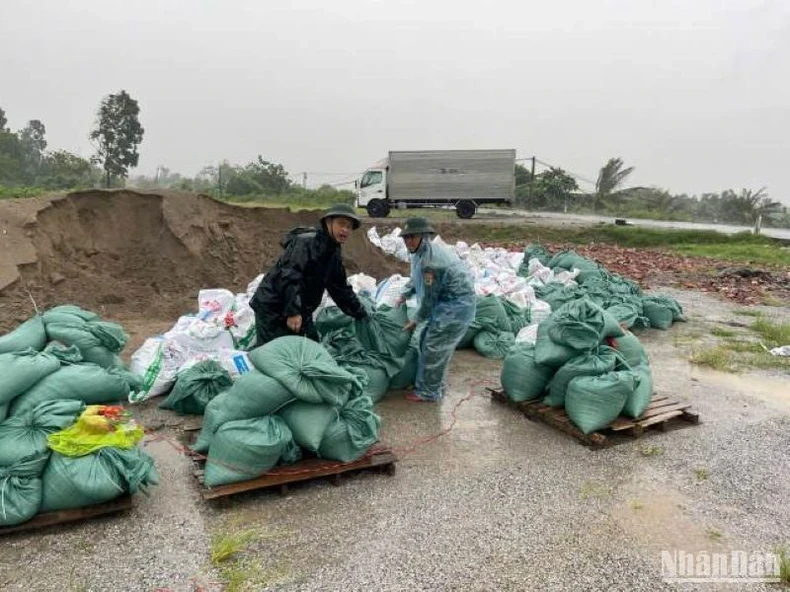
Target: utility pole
(531, 183)
(304, 180)
(219, 179)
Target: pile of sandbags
(52, 366)
(222, 330)
(585, 361)
(296, 400)
(377, 348)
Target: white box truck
(463, 179)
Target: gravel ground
(499, 503)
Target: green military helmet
(342, 211)
(417, 226)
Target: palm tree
(755, 204)
(610, 178)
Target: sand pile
(127, 254)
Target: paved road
(783, 233)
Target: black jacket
(312, 262)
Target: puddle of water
(774, 390)
(656, 520)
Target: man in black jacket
(293, 288)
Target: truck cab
(372, 192)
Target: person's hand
(400, 301)
(409, 326)
(294, 323)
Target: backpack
(298, 232)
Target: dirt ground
(497, 503)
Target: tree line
(116, 136)
(557, 191)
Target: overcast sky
(693, 93)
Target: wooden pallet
(662, 414)
(378, 458)
(46, 519)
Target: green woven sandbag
(519, 317)
(332, 318)
(66, 354)
(638, 401)
(247, 448)
(548, 353)
(630, 348)
(570, 260)
(378, 382)
(350, 436)
(196, 386)
(306, 369)
(578, 325)
(468, 340)
(308, 422)
(557, 294)
(252, 395)
(79, 481)
(625, 313)
(3, 412)
(21, 489)
(408, 372)
(611, 326)
(522, 378)
(593, 402)
(19, 371)
(88, 383)
(99, 342)
(494, 344)
(29, 335)
(66, 313)
(533, 251)
(662, 311)
(383, 332)
(491, 314)
(589, 364)
(23, 435)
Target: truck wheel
(465, 209)
(378, 208)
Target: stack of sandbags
(297, 399)
(96, 460)
(585, 362)
(196, 387)
(378, 348)
(98, 341)
(43, 390)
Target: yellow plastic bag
(99, 426)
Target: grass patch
(765, 361)
(702, 474)
(714, 534)
(719, 332)
(760, 254)
(746, 312)
(248, 575)
(228, 546)
(592, 489)
(718, 358)
(773, 334)
(784, 565)
(637, 505)
(740, 346)
(651, 450)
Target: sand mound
(128, 254)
